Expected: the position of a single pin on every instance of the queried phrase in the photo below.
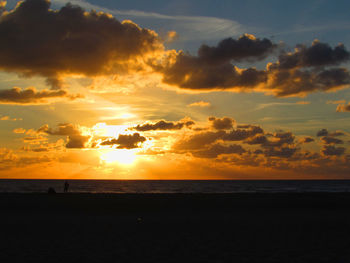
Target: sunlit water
(129, 186)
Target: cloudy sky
(175, 89)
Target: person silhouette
(66, 186)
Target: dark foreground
(175, 227)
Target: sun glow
(121, 156)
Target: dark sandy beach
(297, 227)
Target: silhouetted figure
(66, 186)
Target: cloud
(32, 96)
(36, 40)
(8, 118)
(332, 150)
(245, 48)
(242, 132)
(283, 152)
(19, 130)
(198, 140)
(343, 107)
(306, 140)
(201, 104)
(317, 55)
(126, 141)
(212, 68)
(217, 149)
(257, 139)
(64, 129)
(307, 69)
(336, 102)
(331, 140)
(77, 141)
(323, 132)
(75, 136)
(163, 125)
(225, 123)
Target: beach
(268, 227)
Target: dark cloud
(284, 83)
(323, 132)
(190, 72)
(225, 123)
(281, 138)
(343, 107)
(35, 40)
(283, 152)
(336, 133)
(212, 68)
(258, 139)
(77, 141)
(64, 129)
(126, 141)
(247, 47)
(217, 149)
(32, 96)
(332, 150)
(163, 125)
(306, 140)
(331, 140)
(242, 134)
(198, 140)
(303, 71)
(307, 69)
(317, 55)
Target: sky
(174, 89)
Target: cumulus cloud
(32, 96)
(317, 55)
(75, 137)
(307, 69)
(198, 140)
(36, 40)
(77, 141)
(284, 152)
(242, 132)
(126, 141)
(225, 123)
(217, 149)
(323, 132)
(64, 129)
(212, 68)
(331, 140)
(332, 150)
(306, 140)
(164, 125)
(296, 82)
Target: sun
(121, 156)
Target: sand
(175, 227)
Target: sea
(175, 186)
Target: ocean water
(182, 186)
